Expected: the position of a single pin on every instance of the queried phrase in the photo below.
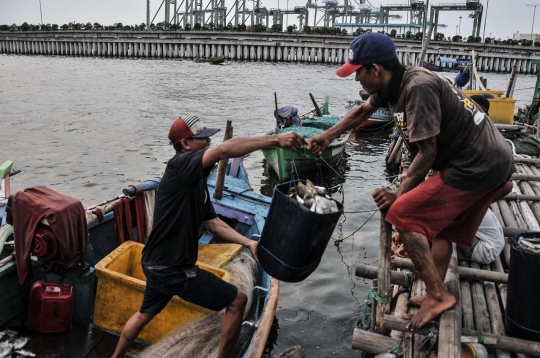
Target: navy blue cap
(367, 49)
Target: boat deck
(82, 341)
(479, 315)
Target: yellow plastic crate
(121, 283)
(501, 110)
(495, 93)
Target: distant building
(520, 36)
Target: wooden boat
(286, 162)
(213, 60)
(240, 207)
(436, 68)
(456, 64)
(380, 118)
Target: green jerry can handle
(5, 168)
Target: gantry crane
(416, 10)
(471, 5)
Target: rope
(372, 293)
(397, 350)
(480, 336)
(361, 226)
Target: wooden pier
(247, 46)
(481, 290)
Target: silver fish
(5, 352)
(6, 345)
(20, 342)
(324, 206)
(25, 353)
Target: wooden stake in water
(222, 166)
(383, 275)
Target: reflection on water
(87, 127)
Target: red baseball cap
(190, 127)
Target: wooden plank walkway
(481, 290)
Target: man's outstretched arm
(241, 146)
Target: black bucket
(294, 239)
(523, 298)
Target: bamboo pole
(526, 210)
(503, 288)
(525, 177)
(373, 343)
(507, 215)
(463, 271)
(510, 344)
(509, 89)
(395, 150)
(400, 308)
(495, 314)
(450, 326)
(410, 338)
(467, 308)
(373, 313)
(526, 160)
(391, 149)
(417, 340)
(478, 79)
(276, 114)
(383, 274)
(497, 212)
(527, 197)
(222, 166)
(481, 316)
(522, 224)
(534, 205)
(514, 127)
(425, 45)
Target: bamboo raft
(480, 290)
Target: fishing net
(311, 127)
(201, 339)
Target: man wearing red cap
(182, 205)
(445, 131)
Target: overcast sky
(504, 17)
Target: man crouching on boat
(182, 205)
(446, 132)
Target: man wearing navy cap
(444, 131)
(182, 204)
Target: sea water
(87, 127)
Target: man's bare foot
(430, 308)
(416, 301)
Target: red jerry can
(50, 308)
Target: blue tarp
(453, 60)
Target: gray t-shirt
(471, 153)
(488, 243)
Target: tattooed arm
(420, 166)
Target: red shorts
(438, 210)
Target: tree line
(164, 26)
(317, 30)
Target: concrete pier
(246, 46)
